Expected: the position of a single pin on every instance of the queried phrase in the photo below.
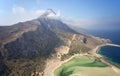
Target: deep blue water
(113, 35)
(112, 53)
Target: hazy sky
(86, 13)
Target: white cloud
(21, 14)
(52, 14)
(81, 22)
(39, 12)
(25, 14)
(58, 13)
(19, 10)
(93, 23)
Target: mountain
(25, 46)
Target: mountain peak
(49, 13)
(50, 10)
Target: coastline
(95, 53)
(110, 44)
(54, 63)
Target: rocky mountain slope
(25, 46)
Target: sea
(113, 35)
(111, 53)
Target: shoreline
(110, 44)
(55, 63)
(95, 53)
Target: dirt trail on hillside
(54, 63)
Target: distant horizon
(89, 14)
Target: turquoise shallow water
(111, 53)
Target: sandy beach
(94, 53)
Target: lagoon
(111, 53)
